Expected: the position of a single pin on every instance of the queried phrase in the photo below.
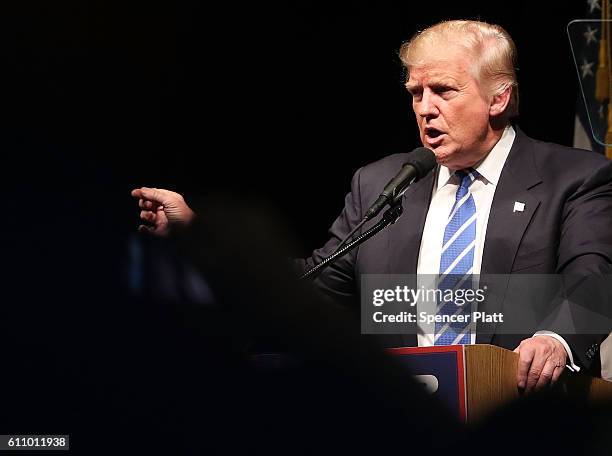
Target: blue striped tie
(457, 261)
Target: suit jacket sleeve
(338, 280)
(585, 260)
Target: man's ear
(499, 103)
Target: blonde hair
(491, 47)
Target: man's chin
(443, 156)
(447, 158)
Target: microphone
(420, 162)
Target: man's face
(451, 108)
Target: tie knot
(467, 176)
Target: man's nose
(426, 106)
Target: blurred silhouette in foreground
(142, 375)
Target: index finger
(525, 359)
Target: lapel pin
(518, 206)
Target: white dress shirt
(442, 200)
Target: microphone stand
(388, 218)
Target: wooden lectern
(489, 377)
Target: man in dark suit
(516, 205)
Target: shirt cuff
(571, 365)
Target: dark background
(276, 102)
(279, 100)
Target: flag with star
(590, 41)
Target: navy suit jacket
(565, 228)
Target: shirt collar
(491, 166)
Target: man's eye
(415, 93)
(443, 89)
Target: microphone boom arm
(389, 218)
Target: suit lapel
(506, 226)
(404, 239)
(405, 236)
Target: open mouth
(433, 132)
(433, 136)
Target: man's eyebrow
(434, 82)
(443, 81)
